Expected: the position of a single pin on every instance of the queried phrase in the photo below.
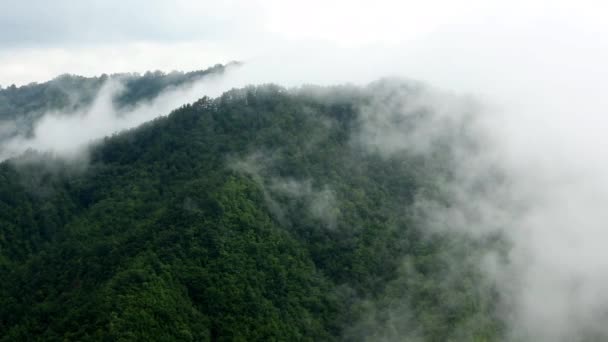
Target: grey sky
(38, 23)
(429, 39)
(40, 39)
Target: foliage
(253, 216)
(21, 107)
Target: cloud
(90, 22)
(320, 203)
(69, 134)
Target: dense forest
(266, 214)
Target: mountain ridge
(206, 225)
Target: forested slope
(264, 214)
(21, 107)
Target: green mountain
(21, 107)
(265, 214)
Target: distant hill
(21, 107)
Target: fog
(68, 134)
(540, 76)
(538, 71)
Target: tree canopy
(260, 215)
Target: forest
(265, 214)
(22, 107)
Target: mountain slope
(21, 107)
(263, 214)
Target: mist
(539, 78)
(68, 134)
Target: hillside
(266, 214)
(21, 107)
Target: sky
(41, 39)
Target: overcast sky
(40, 39)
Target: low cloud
(69, 134)
(321, 203)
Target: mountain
(266, 214)
(22, 107)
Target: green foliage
(21, 107)
(250, 217)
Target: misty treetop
(22, 107)
(266, 214)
